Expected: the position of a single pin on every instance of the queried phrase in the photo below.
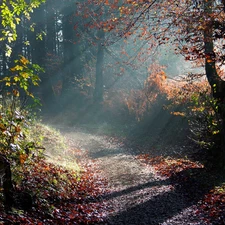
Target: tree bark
(98, 92)
(49, 100)
(73, 65)
(37, 45)
(7, 182)
(215, 81)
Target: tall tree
(212, 24)
(37, 43)
(194, 28)
(98, 92)
(72, 68)
(11, 13)
(50, 62)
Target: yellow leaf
(16, 93)
(16, 78)
(23, 158)
(13, 69)
(16, 68)
(24, 60)
(26, 42)
(24, 75)
(6, 78)
(10, 39)
(2, 127)
(8, 84)
(31, 95)
(17, 20)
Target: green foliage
(49, 138)
(14, 125)
(20, 142)
(204, 119)
(24, 74)
(15, 116)
(11, 12)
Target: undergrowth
(60, 191)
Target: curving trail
(137, 195)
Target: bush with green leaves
(15, 118)
(10, 14)
(204, 120)
(191, 98)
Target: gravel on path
(137, 195)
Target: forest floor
(146, 188)
(104, 177)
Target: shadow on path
(189, 187)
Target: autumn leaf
(24, 61)
(2, 127)
(23, 158)
(16, 93)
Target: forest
(112, 112)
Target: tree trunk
(37, 45)
(72, 53)
(7, 182)
(98, 92)
(68, 50)
(49, 99)
(216, 83)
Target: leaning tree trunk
(5, 171)
(215, 81)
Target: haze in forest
(96, 73)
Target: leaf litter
(62, 196)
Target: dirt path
(138, 196)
